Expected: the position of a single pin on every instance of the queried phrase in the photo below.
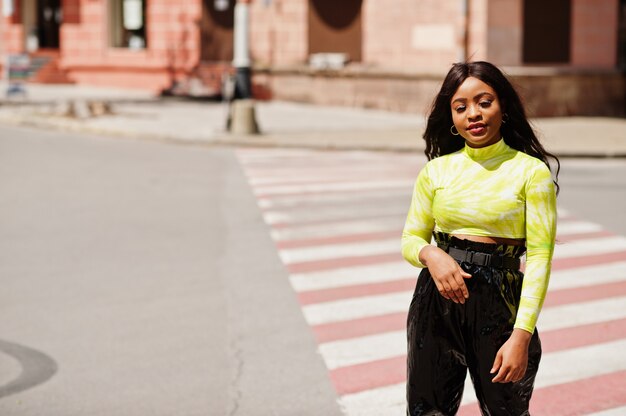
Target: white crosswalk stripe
(590, 247)
(334, 278)
(333, 251)
(307, 214)
(588, 276)
(333, 187)
(388, 400)
(319, 203)
(322, 200)
(618, 411)
(361, 307)
(364, 349)
(352, 227)
(575, 227)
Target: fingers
(503, 371)
(449, 277)
(506, 373)
(462, 289)
(500, 377)
(497, 362)
(454, 288)
(452, 291)
(441, 288)
(518, 375)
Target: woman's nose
(473, 111)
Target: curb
(404, 140)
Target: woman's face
(476, 113)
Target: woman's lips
(477, 130)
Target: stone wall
(546, 92)
(594, 33)
(278, 32)
(173, 46)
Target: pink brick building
(567, 55)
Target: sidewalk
(140, 115)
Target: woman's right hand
(446, 272)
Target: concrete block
(243, 117)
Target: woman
(486, 196)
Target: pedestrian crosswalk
(336, 219)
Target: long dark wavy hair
(517, 131)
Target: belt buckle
(481, 259)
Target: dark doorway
(48, 23)
(334, 28)
(218, 20)
(547, 31)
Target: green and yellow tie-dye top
(491, 191)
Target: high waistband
(482, 254)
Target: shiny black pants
(446, 339)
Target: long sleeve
(419, 224)
(540, 237)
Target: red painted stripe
(371, 375)
(345, 292)
(341, 239)
(579, 336)
(380, 188)
(381, 373)
(581, 261)
(585, 294)
(579, 397)
(361, 327)
(319, 265)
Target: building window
(127, 23)
(334, 29)
(547, 31)
(216, 28)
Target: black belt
(478, 258)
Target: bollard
(243, 117)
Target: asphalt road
(595, 189)
(138, 278)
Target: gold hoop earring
(453, 131)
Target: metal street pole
(241, 59)
(242, 116)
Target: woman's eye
(460, 108)
(485, 103)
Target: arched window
(335, 27)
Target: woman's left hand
(512, 358)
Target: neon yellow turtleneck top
(491, 191)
